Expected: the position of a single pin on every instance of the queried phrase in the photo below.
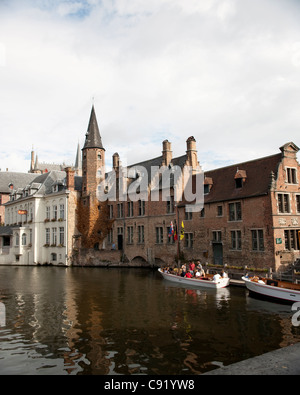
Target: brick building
(251, 213)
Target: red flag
(175, 233)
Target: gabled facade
(141, 223)
(251, 214)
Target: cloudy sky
(224, 71)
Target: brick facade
(250, 213)
(241, 223)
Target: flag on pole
(182, 231)
(171, 231)
(175, 232)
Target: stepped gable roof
(257, 182)
(15, 179)
(92, 137)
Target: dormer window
(238, 183)
(240, 178)
(208, 183)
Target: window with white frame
(61, 235)
(30, 213)
(48, 212)
(62, 211)
(54, 236)
(54, 212)
(47, 239)
(24, 239)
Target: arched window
(17, 239)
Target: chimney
(70, 178)
(116, 161)
(191, 152)
(167, 153)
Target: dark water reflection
(129, 321)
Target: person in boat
(200, 273)
(189, 274)
(216, 277)
(192, 267)
(224, 274)
(183, 270)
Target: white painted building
(37, 221)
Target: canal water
(129, 321)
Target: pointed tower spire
(92, 137)
(78, 162)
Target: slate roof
(92, 137)
(6, 230)
(43, 183)
(18, 180)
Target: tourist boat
(202, 282)
(274, 289)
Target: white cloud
(224, 71)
